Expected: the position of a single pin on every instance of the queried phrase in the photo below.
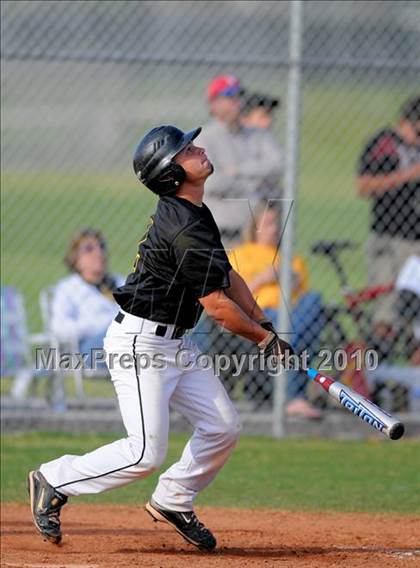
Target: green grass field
(314, 475)
(42, 209)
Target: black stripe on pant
(142, 425)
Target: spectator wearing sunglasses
(83, 305)
(258, 111)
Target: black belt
(161, 329)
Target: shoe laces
(53, 512)
(198, 524)
(54, 517)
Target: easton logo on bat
(361, 411)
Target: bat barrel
(360, 406)
(396, 431)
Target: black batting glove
(272, 345)
(268, 325)
(284, 347)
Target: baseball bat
(360, 406)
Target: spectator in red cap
(224, 86)
(247, 162)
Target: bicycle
(352, 313)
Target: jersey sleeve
(203, 265)
(380, 155)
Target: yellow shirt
(250, 259)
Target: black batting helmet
(152, 161)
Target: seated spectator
(258, 111)
(83, 305)
(256, 260)
(248, 162)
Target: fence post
(288, 202)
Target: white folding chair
(16, 342)
(68, 345)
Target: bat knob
(397, 431)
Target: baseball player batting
(181, 267)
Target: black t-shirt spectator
(396, 212)
(180, 259)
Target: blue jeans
(95, 342)
(306, 322)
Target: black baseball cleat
(186, 523)
(46, 505)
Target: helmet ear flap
(169, 180)
(174, 173)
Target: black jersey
(396, 212)
(180, 259)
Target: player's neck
(192, 193)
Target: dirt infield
(121, 536)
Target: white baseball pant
(144, 396)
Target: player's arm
(228, 314)
(369, 185)
(239, 293)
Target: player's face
(195, 162)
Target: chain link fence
(82, 81)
